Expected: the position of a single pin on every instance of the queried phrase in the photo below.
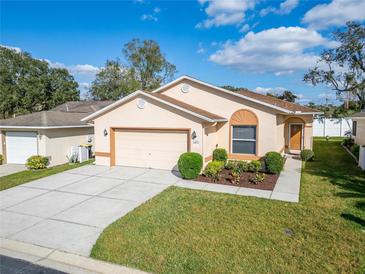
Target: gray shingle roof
(358, 115)
(67, 114)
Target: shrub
(257, 178)
(1, 159)
(220, 154)
(356, 150)
(349, 142)
(254, 166)
(213, 169)
(190, 164)
(240, 166)
(307, 155)
(36, 162)
(274, 162)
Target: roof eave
(43, 127)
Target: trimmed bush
(254, 166)
(1, 159)
(274, 162)
(307, 155)
(190, 164)
(349, 142)
(37, 162)
(213, 169)
(220, 154)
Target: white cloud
(329, 96)
(16, 49)
(200, 49)
(84, 85)
(263, 90)
(149, 17)
(277, 50)
(285, 8)
(84, 69)
(223, 13)
(336, 13)
(152, 16)
(245, 28)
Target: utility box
(81, 152)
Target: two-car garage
(19, 146)
(149, 148)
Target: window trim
(244, 140)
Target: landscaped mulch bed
(226, 179)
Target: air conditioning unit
(81, 152)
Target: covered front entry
(150, 148)
(295, 136)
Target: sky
(265, 46)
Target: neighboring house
(152, 129)
(358, 131)
(49, 133)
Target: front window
(244, 139)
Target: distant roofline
(45, 127)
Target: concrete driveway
(8, 169)
(69, 210)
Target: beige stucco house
(152, 129)
(48, 133)
(358, 132)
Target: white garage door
(149, 149)
(20, 145)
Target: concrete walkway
(287, 187)
(8, 169)
(69, 210)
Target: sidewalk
(287, 187)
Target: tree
(287, 95)
(113, 82)
(148, 64)
(343, 68)
(28, 84)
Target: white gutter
(42, 127)
(117, 103)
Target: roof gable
(268, 101)
(194, 111)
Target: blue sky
(261, 45)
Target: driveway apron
(69, 210)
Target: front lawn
(26, 176)
(189, 231)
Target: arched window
(243, 132)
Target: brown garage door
(150, 148)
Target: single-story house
(49, 133)
(358, 132)
(152, 129)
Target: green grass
(26, 176)
(189, 231)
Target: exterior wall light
(193, 135)
(105, 132)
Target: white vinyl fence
(331, 127)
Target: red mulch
(226, 179)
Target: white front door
(20, 145)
